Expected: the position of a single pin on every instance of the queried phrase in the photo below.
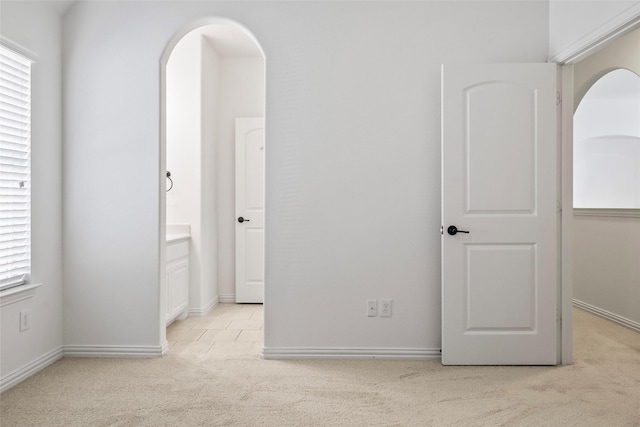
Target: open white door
(499, 184)
(250, 210)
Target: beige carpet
(602, 388)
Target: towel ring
(170, 180)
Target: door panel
(500, 119)
(516, 284)
(250, 206)
(499, 168)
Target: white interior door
(250, 210)
(499, 183)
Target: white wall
(111, 238)
(606, 246)
(192, 79)
(241, 95)
(607, 271)
(607, 143)
(353, 188)
(37, 28)
(619, 54)
(211, 69)
(576, 24)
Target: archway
(211, 73)
(607, 143)
(607, 198)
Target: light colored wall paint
(210, 81)
(111, 237)
(241, 95)
(607, 271)
(352, 168)
(603, 117)
(622, 53)
(576, 24)
(607, 152)
(38, 29)
(186, 156)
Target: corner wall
(37, 28)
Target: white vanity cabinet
(177, 271)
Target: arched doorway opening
(607, 143)
(607, 198)
(213, 73)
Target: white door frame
(580, 50)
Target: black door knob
(453, 230)
(241, 220)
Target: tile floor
(227, 330)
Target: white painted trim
(30, 369)
(202, 311)
(618, 26)
(631, 324)
(18, 293)
(165, 347)
(281, 353)
(227, 298)
(566, 229)
(113, 351)
(609, 213)
(27, 54)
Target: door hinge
(558, 98)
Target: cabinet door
(177, 287)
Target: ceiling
(229, 41)
(59, 6)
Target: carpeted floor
(602, 388)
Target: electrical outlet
(372, 308)
(25, 320)
(385, 307)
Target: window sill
(18, 293)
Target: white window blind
(15, 147)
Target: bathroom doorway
(213, 74)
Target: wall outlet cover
(25, 320)
(372, 308)
(385, 307)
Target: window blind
(15, 147)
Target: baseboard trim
(147, 352)
(199, 312)
(609, 213)
(281, 353)
(29, 369)
(227, 298)
(633, 325)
